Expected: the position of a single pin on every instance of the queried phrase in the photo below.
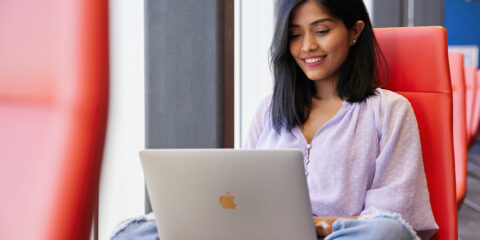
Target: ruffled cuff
(124, 224)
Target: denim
(379, 227)
(141, 228)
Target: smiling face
(318, 42)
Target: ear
(356, 30)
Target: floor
(469, 214)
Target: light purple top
(366, 158)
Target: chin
(318, 75)
(315, 77)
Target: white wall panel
(122, 185)
(369, 5)
(254, 31)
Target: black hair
(358, 75)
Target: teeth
(312, 60)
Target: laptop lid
(228, 194)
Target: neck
(326, 90)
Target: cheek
(291, 48)
(341, 49)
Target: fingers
(323, 228)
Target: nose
(309, 43)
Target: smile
(314, 60)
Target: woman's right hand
(323, 225)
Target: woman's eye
(322, 32)
(294, 36)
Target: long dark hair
(293, 91)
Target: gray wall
(189, 74)
(394, 13)
(388, 13)
(429, 12)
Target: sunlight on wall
(122, 186)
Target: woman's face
(318, 42)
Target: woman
(361, 143)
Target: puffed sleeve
(257, 124)
(399, 185)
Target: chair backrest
(477, 78)
(460, 143)
(476, 104)
(418, 69)
(471, 96)
(53, 112)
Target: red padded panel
(471, 85)
(477, 78)
(413, 64)
(460, 144)
(476, 104)
(418, 69)
(53, 108)
(34, 79)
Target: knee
(142, 227)
(380, 227)
(392, 228)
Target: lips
(314, 60)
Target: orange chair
(418, 69)
(460, 144)
(53, 112)
(472, 99)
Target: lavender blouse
(366, 158)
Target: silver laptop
(228, 194)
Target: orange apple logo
(227, 201)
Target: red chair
(418, 69)
(476, 109)
(472, 100)
(460, 144)
(53, 112)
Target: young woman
(361, 143)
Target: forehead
(308, 12)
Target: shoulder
(389, 109)
(386, 102)
(387, 98)
(258, 123)
(266, 102)
(263, 108)
(261, 116)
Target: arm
(398, 185)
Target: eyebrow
(313, 23)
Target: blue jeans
(380, 227)
(139, 228)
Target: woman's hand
(324, 225)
